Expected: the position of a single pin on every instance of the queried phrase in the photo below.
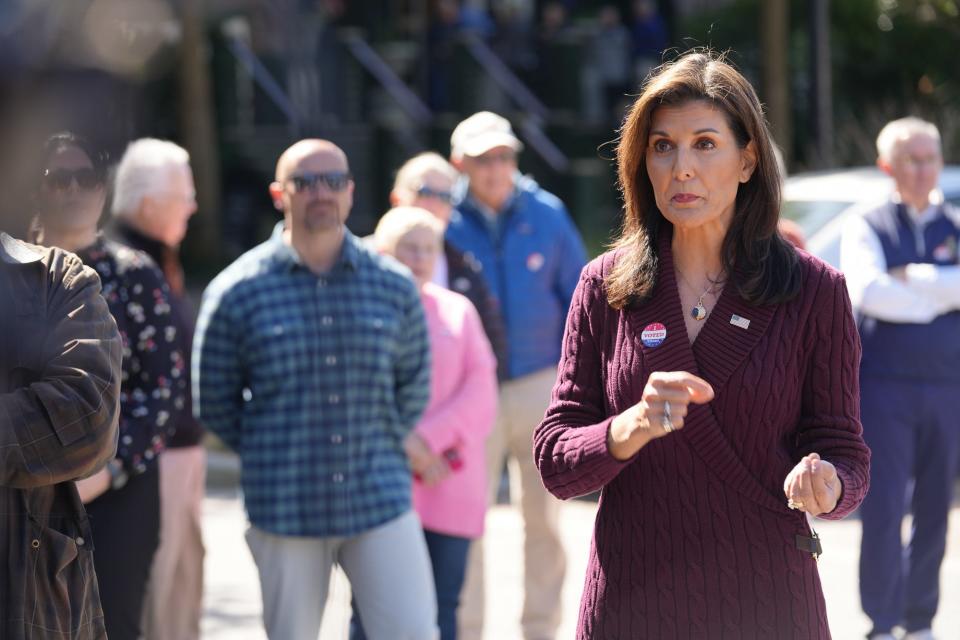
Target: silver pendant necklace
(699, 311)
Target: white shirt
(929, 291)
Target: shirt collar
(138, 240)
(926, 216)
(288, 259)
(15, 252)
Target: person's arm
(411, 368)
(153, 398)
(936, 282)
(873, 291)
(467, 415)
(570, 445)
(64, 426)
(830, 404)
(217, 366)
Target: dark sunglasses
(443, 196)
(334, 180)
(61, 179)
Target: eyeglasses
(61, 179)
(443, 196)
(334, 180)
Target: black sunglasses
(334, 180)
(61, 179)
(443, 196)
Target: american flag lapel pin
(739, 321)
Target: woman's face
(71, 191)
(418, 250)
(695, 165)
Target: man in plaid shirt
(311, 360)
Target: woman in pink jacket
(446, 449)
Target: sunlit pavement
(232, 597)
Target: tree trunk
(774, 44)
(196, 119)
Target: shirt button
(334, 399)
(35, 543)
(321, 282)
(80, 541)
(336, 438)
(338, 478)
(326, 321)
(331, 360)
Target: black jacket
(60, 352)
(465, 278)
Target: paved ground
(232, 605)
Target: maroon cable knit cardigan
(693, 537)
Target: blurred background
(236, 81)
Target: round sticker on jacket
(653, 335)
(535, 261)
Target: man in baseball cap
(530, 254)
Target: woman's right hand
(634, 428)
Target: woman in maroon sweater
(708, 385)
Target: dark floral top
(151, 393)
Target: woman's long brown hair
(759, 262)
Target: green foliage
(890, 58)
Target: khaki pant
(523, 402)
(388, 568)
(174, 600)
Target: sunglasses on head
(334, 180)
(61, 179)
(443, 196)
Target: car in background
(821, 202)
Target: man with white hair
(901, 264)
(152, 204)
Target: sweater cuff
(597, 465)
(851, 494)
(438, 440)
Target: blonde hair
(897, 131)
(146, 169)
(410, 175)
(400, 221)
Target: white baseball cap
(481, 132)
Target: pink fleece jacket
(460, 415)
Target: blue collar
(286, 257)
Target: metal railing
(531, 127)
(262, 76)
(409, 102)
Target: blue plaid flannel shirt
(314, 381)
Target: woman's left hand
(813, 486)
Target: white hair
(400, 221)
(898, 131)
(147, 168)
(410, 175)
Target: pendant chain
(699, 312)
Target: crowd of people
(703, 375)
